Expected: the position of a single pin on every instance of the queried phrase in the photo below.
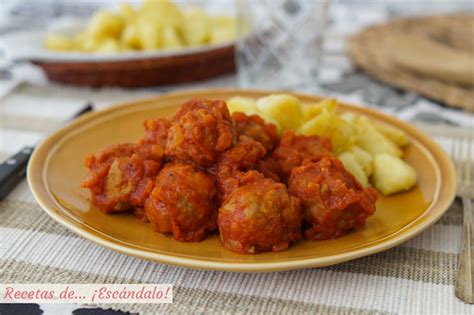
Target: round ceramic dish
(127, 69)
(56, 171)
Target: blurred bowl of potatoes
(154, 43)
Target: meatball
(233, 162)
(259, 216)
(254, 126)
(333, 201)
(293, 150)
(120, 176)
(156, 131)
(270, 167)
(183, 202)
(200, 131)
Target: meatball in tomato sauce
(233, 162)
(183, 202)
(200, 131)
(333, 201)
(156, 131)
(259, 216)
(120, 176)
(254, 126)
(294, 149)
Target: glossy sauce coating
(120, 176)
(233, 163)
(259, 216)
(294, 149)
(200, 131)
(183, 202)
(333, 201)
(254, 126)
(156, 131)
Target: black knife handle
(13, 169)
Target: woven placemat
(456, 31)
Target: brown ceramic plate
(56, 171)
(127, 69)
(182, 67)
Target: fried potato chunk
(352, 165)
(58, 42)
(284, 108)
(105, 24)
(312, 110)
(241, 104)
(365, 160)
(398, 136)
(329, 125)
(373, 141)
(392, 174)
(197, 26)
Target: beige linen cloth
(414, 278)
(429, 55)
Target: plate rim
(447, 189)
